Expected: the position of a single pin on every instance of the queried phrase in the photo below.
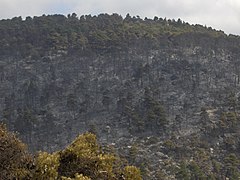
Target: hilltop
(162, 92)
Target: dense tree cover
(148, 115)
(56, 34)
(84, 159)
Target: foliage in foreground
(15, 161)
(81, 160)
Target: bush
(16, 162)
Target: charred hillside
(125, 79)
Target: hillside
(163, 92)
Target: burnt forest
(110, 97)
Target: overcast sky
(219, 14)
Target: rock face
(136, 92)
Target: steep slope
(120, 78)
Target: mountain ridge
(153, 88)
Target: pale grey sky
(219, 14)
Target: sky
(219, 14)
